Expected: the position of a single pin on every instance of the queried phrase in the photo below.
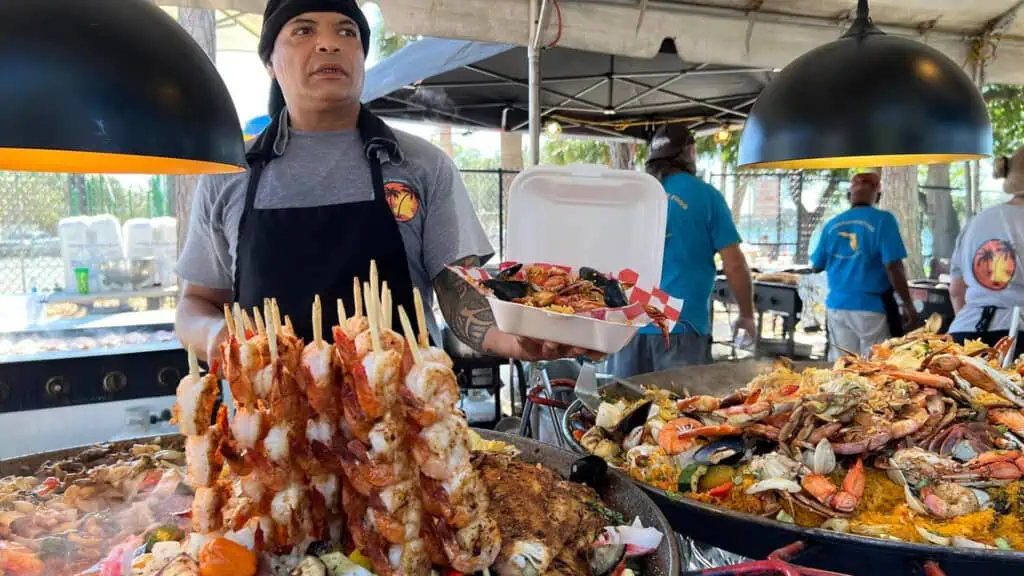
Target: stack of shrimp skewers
(381, 494)
(363, 433)
(455, 498)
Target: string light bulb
(723, 135)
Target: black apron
(293, 254)
(892, 313)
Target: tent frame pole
(533, 58)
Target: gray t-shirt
(987, 260)
(437, 221)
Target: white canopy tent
(985, 36)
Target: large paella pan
(881, 463)
(124, 499)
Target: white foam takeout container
(582, 215)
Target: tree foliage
(562, 151)
(1006, 111)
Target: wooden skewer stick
(421, 318)
(318, 322)
(193, 363)
(371, 315)
(271, 333)
(247, 322)
(385, 304)
(261, 327)
(410, 336)
(357, 297)
(374, 293)
(228, 321)
(239, 323)
(342, 318)
(277, 315)
(288, 325)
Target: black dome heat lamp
(113, 86)
(867, 99)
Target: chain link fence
(32, 204)
(487, 189)
(778, 214)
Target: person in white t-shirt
(986, 266)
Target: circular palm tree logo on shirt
(403, 200)
(994, 264)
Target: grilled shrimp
(248, 427)
(389, 340)
(203, 457)
(433, 393)
(196, 397)
(473, 548)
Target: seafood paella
(342, 458)
(921, 442)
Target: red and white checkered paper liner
(635, 314)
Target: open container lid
(588, 215)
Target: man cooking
(698, 226)
(863, 252)
(331, 187)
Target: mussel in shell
(728, 450)
(507, 290)
(614, 295)
(510, 272)
(591, 275)
(635, 417)
(589, 470)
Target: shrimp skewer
(357, 323)
(452, 491)
(318, 360)
(390, 526)
(389, 339)
(429, 353)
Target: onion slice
(775, 484)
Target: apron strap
(255, 171)
(985, 322)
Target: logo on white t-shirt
(994, 264)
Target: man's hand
(531, 350)
(910, 318)
(213, 341)
(199, 320)
(745, 324)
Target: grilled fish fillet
(547, 523)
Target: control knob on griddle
(56, 387)
(114, 382)
(168, 377)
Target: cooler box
(138, 238)
(583, 215)
(165, 249)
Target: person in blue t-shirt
(698, 226)
(863, 252)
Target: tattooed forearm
(467, 313)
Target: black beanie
(279, 12)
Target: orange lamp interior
(862, 161)
(40, 160)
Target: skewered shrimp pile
(455, 498)
(362, 433)
(381, 492)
